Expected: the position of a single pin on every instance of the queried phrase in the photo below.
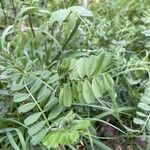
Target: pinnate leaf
(26, 107)
(19, 97)
(32, 118)
(97, 88)
(87, 92)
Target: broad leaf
(67, 95)
(81, 124)
(32, 118)
(81, 11)
(75, 91)
(26, 107)
(110, 80)
(43, 93)
(145, 99)
(144, 106)
(87, 92)
(51, 140)
(36, 139)
(106, 83)
(36, 128)
(138, 121)
(81, 67)
(59, 16)
(90, 65)
(55, 112)
(100, 61)
(36, 86)
(19, 97)
(74, 136)
(97, 88)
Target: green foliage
(143, 116)
(66, 136)
(71, 76)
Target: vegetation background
(74, 75)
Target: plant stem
(37, 105)
(14, 8)
(46, 84)
(72, 33)
(31, 26)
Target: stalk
(31, 26)
(14, 8)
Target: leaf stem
(37, 105)
(46, 84)
(14, 8)
(31, 26)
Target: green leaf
(67, 95)
(97, 88)
(53, 79)
(80, 124)
(138, 121)
(26, 10)
(106, 83)
(36, 139)
(74, 136)
(6, 32)
(144, 106)
(60, 137)
(147, 90)
(32, 118)
(110, 80)
(51, 140)
(16, 87)
(148, 125)
(87, 92)
(75, 91)
(53, 101)
(133, 81)
(55, 112)
(145, 99)
(46, 138)
(101, 145)
(61, 96)
(64, 137)
(100, 62)
(59, 16)
(34, 129)
(113, 96)
(12, 141)
(26, 107)
(70, 116)
(19, 135)
(141, 114)
(35, 86)
(19, 97)
(43, 94)
(81, 11)
(106, 62)
(90, 65)
(80, 92)
(81, 67)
